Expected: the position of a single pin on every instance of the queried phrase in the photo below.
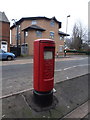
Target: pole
(66, 34)
(16, 33)
(17, 38)
(67, 25)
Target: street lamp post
(67, 24)
(16, 33)
(66, 35)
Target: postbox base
(43, 99)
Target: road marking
(76, 66)
(71, 67)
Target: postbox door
(47, 67)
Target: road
(19, 77)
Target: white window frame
(61, 48)
(52, 23)
(34, 22)
(52, 34)
(39, 33)
(4, 46)
(26, 34)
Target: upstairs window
(34, 22)
(51, 34)
(61, 47)
(38, 33)
(52, 23)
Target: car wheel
(9, 58)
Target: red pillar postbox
(44, 57)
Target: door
(4, 46)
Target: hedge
(77, 51)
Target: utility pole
(67, 26)
(66, 34)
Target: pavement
(70, 100)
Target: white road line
(83, 58)
(71, 67)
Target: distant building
(4, 32)
(31, 28)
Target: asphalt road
(19, 77)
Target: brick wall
(5, 33)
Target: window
(51, 35)
(61, 37)
(61, 48)
(38, 33)
(34, 22)
(4, 43)
(52, 23)
(26, 34)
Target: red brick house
(31, 28)
(4, 32)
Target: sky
(77, 9)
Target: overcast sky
(77, 9)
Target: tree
(79, 34)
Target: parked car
(6, 55)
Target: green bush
(78, 51)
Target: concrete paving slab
(79, 112)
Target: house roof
(64, 34)
(3, 17)
(35, 18)
(35, 27)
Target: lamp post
(16, 33)
(67, 23)
(66, 34)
